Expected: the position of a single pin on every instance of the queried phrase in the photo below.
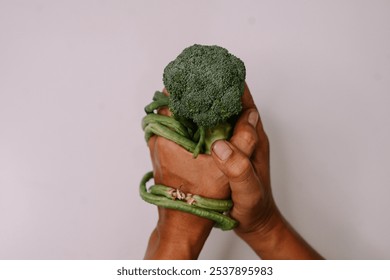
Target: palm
(175, 167)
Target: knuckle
(249, 138)
(246, 140)
(239, 169)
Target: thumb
(237, 167)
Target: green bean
(222, 221)
(212, 204)
(158, 129)
(160, 100)
(158, 95)
(218, 205)
(162, 191)
(166, 121)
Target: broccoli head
(205, 84)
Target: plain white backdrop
(76, 75)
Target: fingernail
(253, 118)
(222, 150)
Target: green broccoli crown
(205, 84)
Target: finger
(260, 156)
(165, 91)
(243, 181)
(248, 103)
(164, 111)
(261, 159)
(245, 136)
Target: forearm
(178, 236)
(279, 241)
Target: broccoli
(205, 85)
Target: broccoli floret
(205, 84)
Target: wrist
(267, 236)
(178, 235)
(278, 240)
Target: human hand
(244, 159)
(180, 235)
(239, 166)
(245, 162)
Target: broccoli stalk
(205, 85)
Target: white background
(75, 76)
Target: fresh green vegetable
(212, 209)
(205, 86)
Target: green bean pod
(160, 130)
(221, 221)
(218, 205)
(160, 100)
(166, 121)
